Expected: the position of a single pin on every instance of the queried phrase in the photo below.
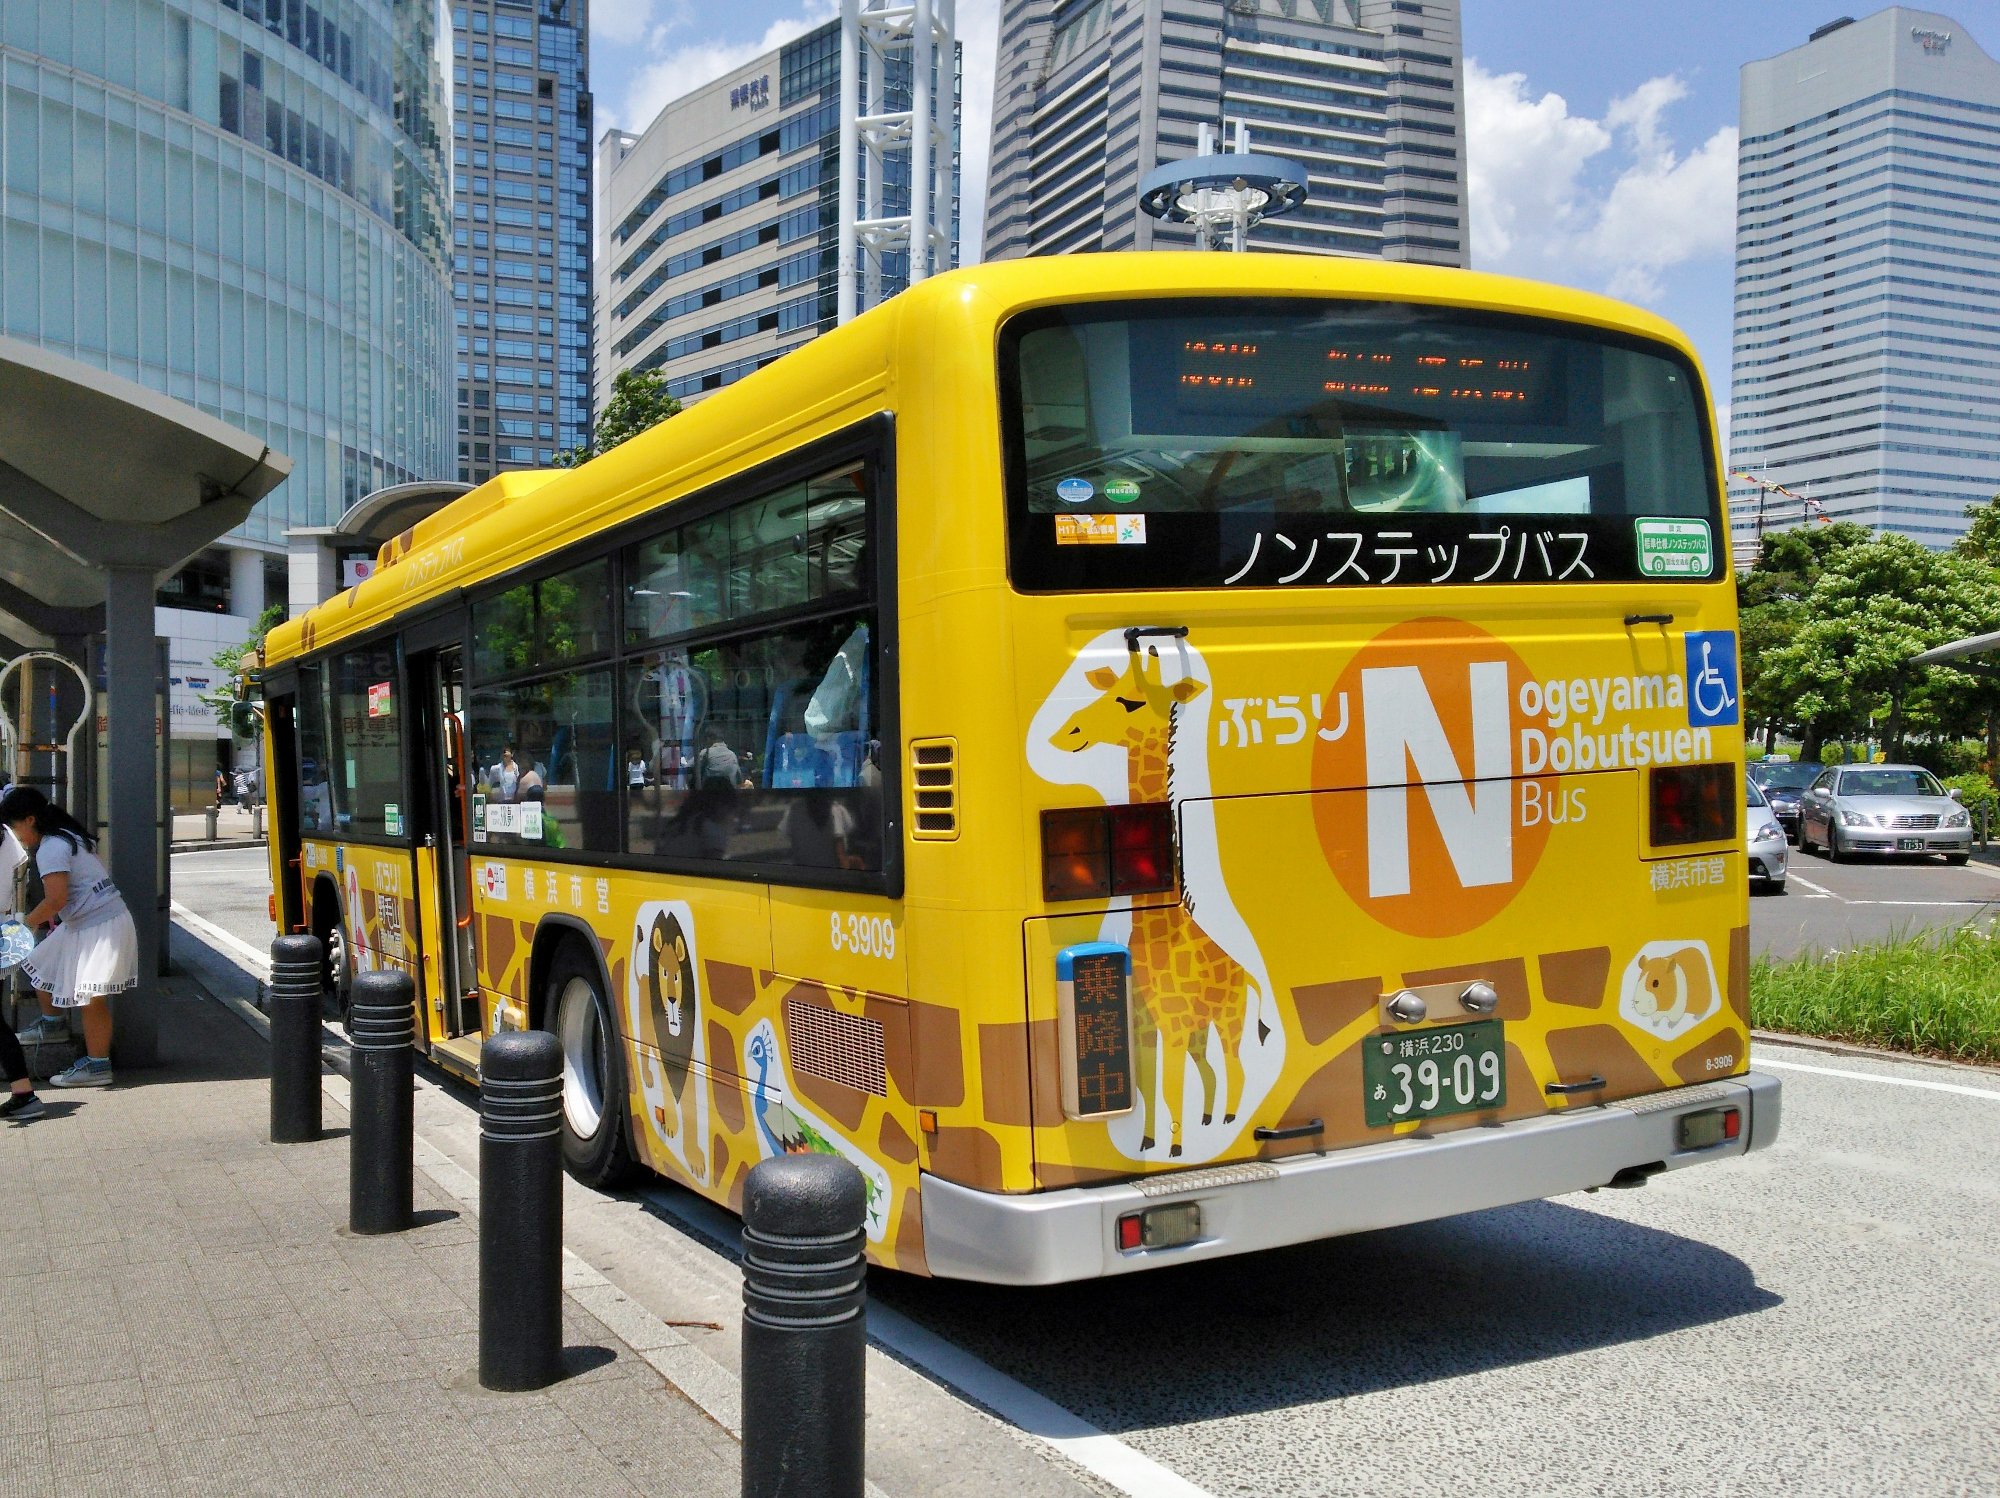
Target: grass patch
(1938, 996)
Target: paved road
(1820, 1318)
(1832, 906)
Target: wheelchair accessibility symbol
(1711, 678)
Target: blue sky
(1603, 149)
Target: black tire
(1957, 860)
(336, 981)
(1777, 886)
(1805, 843)
(596, 1132)
(1833, 848)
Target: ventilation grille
(934, 784)
(836, 1047)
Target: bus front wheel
(596, 1139)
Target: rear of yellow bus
(1378, 717)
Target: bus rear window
(1230, 443)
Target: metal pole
(805, 1328)
(295, 970)
(520, 1211)
(850, 135)
(922, 38)
(383, 1027)
(132, 800)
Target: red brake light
(1693, 804)
(1090, 852)
(1732, 1124)
(1076, 863)
(1142, 848)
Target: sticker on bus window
(381, 701)
(1122, 492)
(1675, 548)
(392, 819)
(1100, 530)
(1075, 491)
(531, 821)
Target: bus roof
(516, 516)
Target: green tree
(638, 402)
(221, 698)
(1981, 540)
(1846, 664)
(1771, 601)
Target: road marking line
(1992, 1094)
(1013, 1403)
(1106, 1457)
(260, 962)
(1819, 889)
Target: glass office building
(1366, 95)
(240, 203)
(520, 231)
(1867, 338)
(721, 222)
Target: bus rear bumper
(1048, 1237)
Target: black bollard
(805, 1328)
(295, 969)
(520, 1211)
(382, 1027)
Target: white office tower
(1867, 342)
(1367, 95)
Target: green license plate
(1430, 1073)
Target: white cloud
(673, 71)
(621, 21)
(1610, 203)
(1523, 160)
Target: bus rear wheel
(596, 1136)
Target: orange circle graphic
(1453, 839)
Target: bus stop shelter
(105, 488)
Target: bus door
(444, 875)
(281, 801)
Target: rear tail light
(1693, 804)
(1159, 1227)
(1090, 852)
(1711, 1126)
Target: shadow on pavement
(1358, 1315)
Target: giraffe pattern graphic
(1199, 990)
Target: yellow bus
(1146, 756)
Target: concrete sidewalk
(184, 1312)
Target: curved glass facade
(244, 205)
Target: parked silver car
(1764, 841)
(1854, 809)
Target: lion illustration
(667, 970)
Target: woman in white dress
(93, 952)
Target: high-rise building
(1367, 95)
(520, 209)
(243, 205)
(720, 230)
(1867, 341)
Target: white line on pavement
(1103, 1456)
(260, 962)
(1820, 891)
(1076, 1439)
(1992, 1094)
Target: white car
(1763, 840)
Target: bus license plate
(1414, 1074)
(1909, 845)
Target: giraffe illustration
(1184, 983)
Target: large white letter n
(1400, 725)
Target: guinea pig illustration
(1677, 987)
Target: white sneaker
(83, 1072)
(49, 1028)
